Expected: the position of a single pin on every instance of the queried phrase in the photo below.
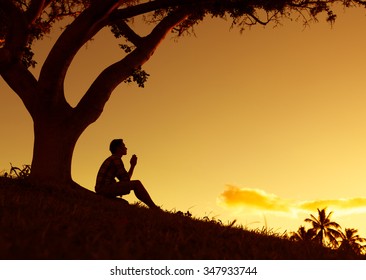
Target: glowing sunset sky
(263, 127)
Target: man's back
(110, 169)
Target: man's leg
(142, 194)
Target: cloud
(357, 204)
(259, 200)
(253, 198)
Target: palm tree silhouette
(302, 235)
(351, 241)
(325, 231)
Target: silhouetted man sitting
(113, 168)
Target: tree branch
(150, 6)
(82, 29)
(35, 9)
(126, 31)
(91, 105)
(257, 20)
(16, 37)
(22, 83)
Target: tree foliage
(325, 230)
(328, 233)
(302, 234)
(351, 242)
(36, 18)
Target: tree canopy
(36, 18)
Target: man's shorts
(114, 189)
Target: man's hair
(115, 144)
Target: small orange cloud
(259, 200)
(253, 198)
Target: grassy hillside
(41, 223)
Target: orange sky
(260, 127)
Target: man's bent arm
(133, 163)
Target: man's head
(117, 146)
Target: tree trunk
(54, 143)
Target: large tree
(57, 125)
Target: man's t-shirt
(111, 169)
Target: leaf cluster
(40, 25)
(139, 76)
